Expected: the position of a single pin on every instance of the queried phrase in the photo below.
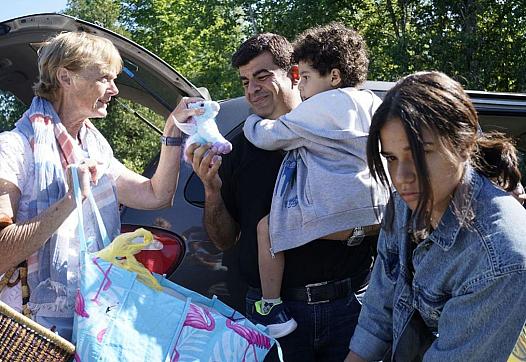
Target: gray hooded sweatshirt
(324, 184)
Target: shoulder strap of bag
(78, 200)
(102, 229)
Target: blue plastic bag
(118, 318)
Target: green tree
(479, 42)
(11, 109)
(102, 12)
(196, 38)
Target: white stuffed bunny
(203, 129)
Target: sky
(14, 8)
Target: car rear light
(166, 260)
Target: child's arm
(271, 134)
(324, 118)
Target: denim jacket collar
(458, 213)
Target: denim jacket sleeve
(374, 333)
(485, 336)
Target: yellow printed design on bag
(121, 252)
(519, 352)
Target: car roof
(485, 102)
(20, 38)
(497, 111)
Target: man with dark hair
(323, 190)
(317, 287)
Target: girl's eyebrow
(425, 143)
(408, 148)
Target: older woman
(448, 284)
(76, 83)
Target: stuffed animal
(203, 128)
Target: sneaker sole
(282, 329)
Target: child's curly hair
(334, 46)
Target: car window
(522, 166)
(194, 191)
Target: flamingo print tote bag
(129, 314)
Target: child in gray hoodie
(323, 186)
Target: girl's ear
(336, 78)
(464, 156)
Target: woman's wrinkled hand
(88, 172)
(182, 113)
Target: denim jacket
(468, 285)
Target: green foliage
(133, 143)
(11, 109)
(102, 12)
(479, 42)
(196, 37)
(482, 43)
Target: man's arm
(220, 226)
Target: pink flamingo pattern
(252, 336)
(201, 318)
(198, 318)
(106, 282)
(80, 305)
(101, 334)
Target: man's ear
(64, 77)
(336, 77)
(294, 74)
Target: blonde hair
(74, 51)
